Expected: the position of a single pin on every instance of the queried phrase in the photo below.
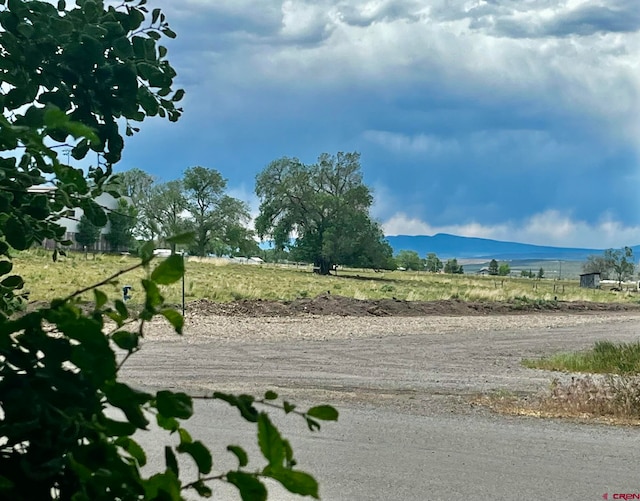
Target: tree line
(316, 213)
(154, 211)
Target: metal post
(183, 274)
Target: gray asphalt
(374, 454)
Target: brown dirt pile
(329, 304)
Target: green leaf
(121, 308)
(270, 441)
(100, 298)
(178, 405)
(5, 267)
(146, 251)
(126, 340)
(313, 424)
(162, 486)
(169, 33)
(270, 395)
(153, 298)
(288, 407)
(244, 404)
(5, 483)
(133, 448)
(323, 412)
(185, 438)
(167, 423)
(250, 488)
(171, 461)
(118, 428)
(297, 482)
(16, 234)
(94, 212)
(182, 238)
(169, 271)
(202, 489)
(200, 455)
(13, 282)
(129, 400)
(174, 318)
(239, 452)
(179, 94)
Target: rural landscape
(177, 336)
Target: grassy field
(217, 280)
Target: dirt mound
(329, 304)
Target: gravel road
(407, 429)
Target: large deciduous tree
(321, 212)
(409, 260)
(621, 262)
(433, 263)
(212, 213)
(138, 186)
(166, 207)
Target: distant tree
(122, 222)
(326, 205)
(88, 233)
(409, 260)
(541, 273)
(527, 274)
(212, 211)
(138, 186)
(598, 264)
(433, 264)
(452, 266)
(166, 211)
(504, 269)
(621, 263)
(493, 267)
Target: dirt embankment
(328, 304)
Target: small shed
(590, 280)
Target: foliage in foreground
(72, 76)
(59, 380)
(604, 358)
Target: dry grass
(218, 280)
(610, 399)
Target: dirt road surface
(403, 384)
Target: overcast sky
(515, 120)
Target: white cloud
(547, 228)
(411, 144)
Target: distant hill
(452, 246)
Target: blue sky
(508, 119)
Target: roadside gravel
(423, 364)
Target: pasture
(218, 280)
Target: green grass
(604, 358)
(219, 281)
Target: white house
(71, 223)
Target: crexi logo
(618, 495)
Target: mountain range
(453, 246)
